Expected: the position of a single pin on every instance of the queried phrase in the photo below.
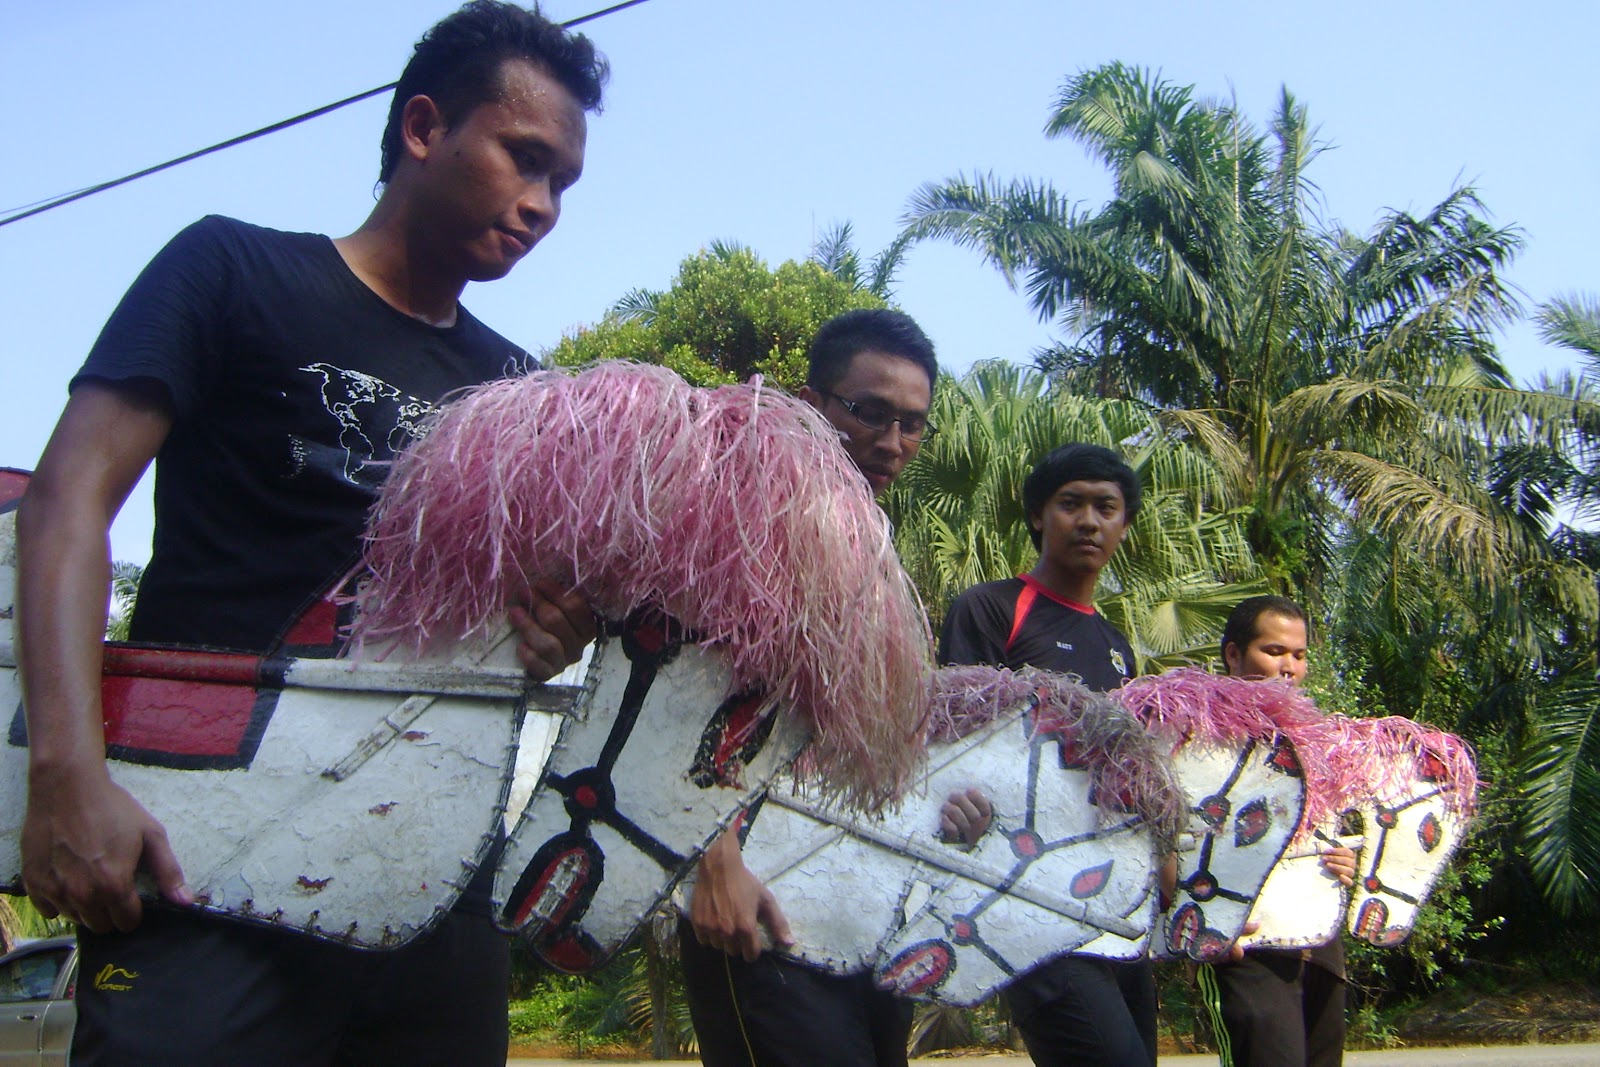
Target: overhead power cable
(41, 206)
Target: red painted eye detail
(1252, 823)
(1090, 881)
(1430, 833)
(1285, 760)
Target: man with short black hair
(1278, 1007)
(1081, 499)
(271, 377)
(871, 375)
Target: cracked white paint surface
(373, 859)
(1243, 813)
(856, 899)
(653, 792)
(1397, 866)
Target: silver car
(37, 982)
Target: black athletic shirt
(1017, 622)
(291, 384)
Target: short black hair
(1242, 626)
(457, 65)
(1077, 463)
(844, 336)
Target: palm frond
(1561, 780)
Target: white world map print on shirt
(376, 420)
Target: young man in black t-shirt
(1079, 1010)
(270, 376)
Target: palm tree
(960, 518)
(124, 591)
(1346, 390)
(1327, 375)
(1561, 759)
(836, 253)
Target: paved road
(1587, 1055)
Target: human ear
(421, 124)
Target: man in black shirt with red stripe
(1081, 500)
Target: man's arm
(729, 906)
(83, 836)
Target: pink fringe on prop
(733, 510)
(1194, 707)
(1124, 758)
(1386, 754)
(1346, 761)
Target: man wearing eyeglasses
(871, 375)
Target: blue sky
(762, 122)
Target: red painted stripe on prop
(318, 625)
(177, 717)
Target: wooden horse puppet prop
(1411, 787)
(754, 608)
(753, 598)
(1264, 779)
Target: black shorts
(190, 989)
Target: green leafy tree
(725, 316)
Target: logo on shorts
(108, 978)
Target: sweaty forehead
(530, 93)
(887, 380)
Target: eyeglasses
(912, 427)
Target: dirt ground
(1547, 1014)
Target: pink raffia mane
(1124, 759)
(1346, 761)
(732, 510)
(1190, 706)
(1385, 754)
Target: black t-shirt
(1017, 623)
(291, 385)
